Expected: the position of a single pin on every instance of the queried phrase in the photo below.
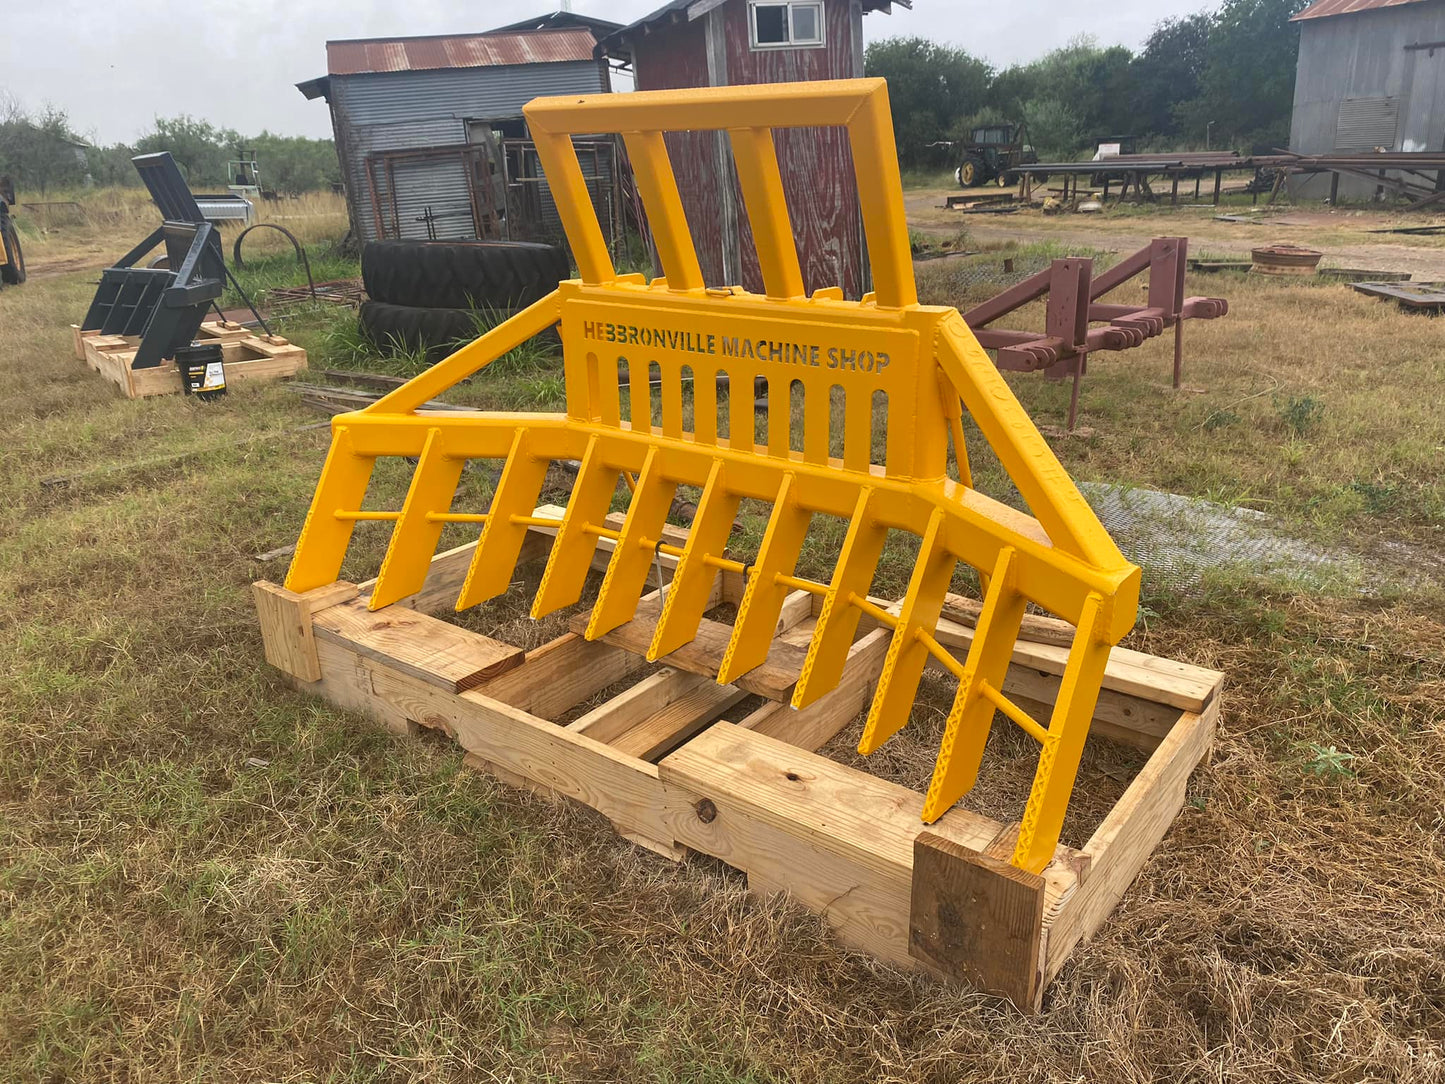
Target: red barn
(711, 43)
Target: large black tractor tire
(406, 327)
(461, 274)
(971, 173)
(14, 271)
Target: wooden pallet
(246, 357)
(676, 766)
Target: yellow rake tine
(742, 411)
(414, 538)
(780, 414)
(838, 619)
(639, 394)
(1043, 817)
(571, 558)
(633, 558)
(691, 585)
(907, 652)
(763, 596)
(321, 549)
(966, 731)
(495, 559)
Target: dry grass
(207, 876)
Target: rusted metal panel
(1325, 8)
(459, 51)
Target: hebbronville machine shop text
(775, 350)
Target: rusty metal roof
(1323, 9)
(459, 51)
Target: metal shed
(430, 133)
(700, 43)
(1371, 76)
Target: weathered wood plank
(975, 917)
(447, 656)
(286, 624)
(561, 674)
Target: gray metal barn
(430, 133)
(1371, 75)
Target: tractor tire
(1006, 179)
(461, 274)
(14, 271)
(971, 172)
(437, 332)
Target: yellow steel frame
(841, 353)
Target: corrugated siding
(439, 186)
(413, 109)
(1363, 124)
(389, 97)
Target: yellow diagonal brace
(691, 585)
(490, 573)
(838, 619)
(1043, 817)
(762, 184)
(763, 596)
(415, 536)
(322, 546)
(633, 556)
(966, 731)
(571, 556)
(907, 652)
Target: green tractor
(12, 260)
(993, 153)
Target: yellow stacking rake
(841, 353)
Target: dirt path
(1343, 236)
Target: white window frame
(792, 42)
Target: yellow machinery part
(840, 354)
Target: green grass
(208, 875)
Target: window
(794, 25)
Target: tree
(40, 151)
(930, 87)
(1247, 86)
(1168, 72)
(199, 148)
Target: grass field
(205, 875)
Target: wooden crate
(246, 357)
(675, 766)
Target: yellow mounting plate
(842, 358)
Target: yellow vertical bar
(1043, 817)
(571, 558)
(742, 410)
(756, 157)
(763, 596)
(880, 196)
(966, 731)
(639, 393)
(704, 404)
(652, 170)
(838, 619)
(322, 546)
(780, 414)
(687, 595)
(816, 419)
(627, 571)
(857, 428)
(574, 206)
(501, 542)
(907, 654)
(609, 394)
(414, 537)
(671, 398)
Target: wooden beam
(975, 917)
(425, 647)
(561, 674)
(286, 630)
(814, 726)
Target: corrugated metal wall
(413, 109)
(1349, 61)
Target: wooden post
(978, 918)
(1334, 187)
(1218, 179)
(1174, 193)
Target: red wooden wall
(816, 163)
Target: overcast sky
(116, 65)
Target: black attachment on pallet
(164, 306)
